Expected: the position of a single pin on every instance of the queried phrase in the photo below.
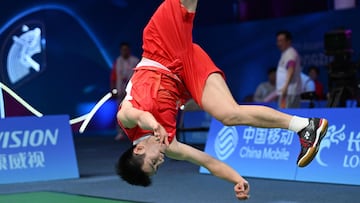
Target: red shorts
(167, 39)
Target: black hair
(271, 70)
(286, 33)
(129, 168)
(124, 44)
(315, 68)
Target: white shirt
(308, 85)
(124, 70)
(294, 88)
(263, 90)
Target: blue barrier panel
(195, 119)
(255, 152)
(272, 153)
(338, 159)
(36, 149)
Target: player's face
(154, 156)
(282, 42)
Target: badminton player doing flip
(172, 70)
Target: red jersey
(174, 66)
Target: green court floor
(53, 197)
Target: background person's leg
(293, 101)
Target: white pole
(2, 105)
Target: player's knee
(229, 119)
(232, 115)
(228, 116)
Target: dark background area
(82, 39)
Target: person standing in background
(319, 88)
(265, 91)
(307, 84)
(288, 74)
(121, 73)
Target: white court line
(93, 111)
(20, 100)
(96, 179)
(78, 119)
(2, 108)
(86, 117)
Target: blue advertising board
(252, 151)
(36, 149)
(338, 159)
(272, 153)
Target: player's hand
(160, 132)
(242, 190)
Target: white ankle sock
(298, 123)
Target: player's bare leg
(218, 101)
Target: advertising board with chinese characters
(36, 149)
(272, 153)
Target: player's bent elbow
(119, 115)
(122, 118)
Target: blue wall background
(245, 51)
(82, 40)
(81, 43)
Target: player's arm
(131, 117)
(182, 151)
